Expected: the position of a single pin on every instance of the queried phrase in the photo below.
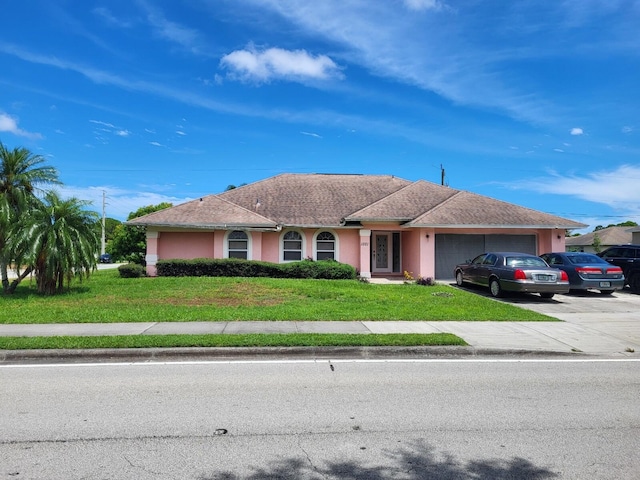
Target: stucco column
(428, 253)
(152, 252)
(365, 253)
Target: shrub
(425, 281)
(234, 267)
(132, 270)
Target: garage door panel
(452, 249)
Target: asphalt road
(445, 419)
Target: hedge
(131, 270)
(235, 267)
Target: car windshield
(525, 262)
(582, 259)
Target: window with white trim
(238, 244)
(325, 246)
(292, 246)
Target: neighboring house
(380, 224)
(597, 241)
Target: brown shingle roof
(315, 199)
(406, 204)
(207, 212)
(607, 236)
(329, 200)
(465, 209)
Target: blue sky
(532, 102)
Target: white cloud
(577, 131)
(180, 132)
(122, 133)
(156, 144)
(104, 124)
(185, 37)
(310, 134)
(627, 129)
(616, 188)
(419, 5)
(10, 124)
(277, 63)
(119, 203)
(110, 19)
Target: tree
(21, 175)
(628, 223)
(57, 240)
(129, 242)
(597, 243)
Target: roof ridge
(242, 208)
(386, 196)
(441, 204)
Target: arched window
(238, 245)
(325, 246)
(291, 246)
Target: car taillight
(519, 275)
(563, 276)
(588, 270)
(616, 270)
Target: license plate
(546, 278)
(605, 284)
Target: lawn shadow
(421, 462)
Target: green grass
(106, 297)
(253, 340)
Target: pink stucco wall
(271, 247)
(349, 247)
(417, 245)
(186, 245)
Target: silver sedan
(512, 272)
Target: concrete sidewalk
(623, 339)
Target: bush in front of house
(234, 267)
(325, 269)
(208, 267)
(132, 270)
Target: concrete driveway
(594, 322)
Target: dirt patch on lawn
(235, 295)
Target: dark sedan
(587, 271)
(513, 272)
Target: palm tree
(21, 173)
(57, 240)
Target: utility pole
(103, 245)
(441, 175)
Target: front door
(381, 253)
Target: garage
(452, 249)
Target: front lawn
(106, 297)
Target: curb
(140, 355)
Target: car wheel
(495, 288)
(459, 280)
(547, 295)
(606, 292)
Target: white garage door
(452, 249)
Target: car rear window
(580, 259)
(525, 262)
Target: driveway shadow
(509, 297)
